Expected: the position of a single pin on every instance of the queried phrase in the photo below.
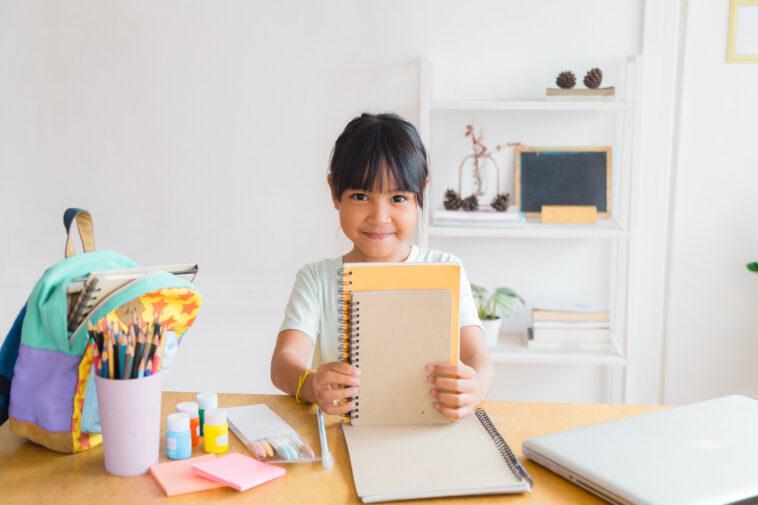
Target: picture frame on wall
(742, 43)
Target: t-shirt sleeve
(468, 313)
(303, 310)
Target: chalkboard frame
(519, 150)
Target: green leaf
(753, 267)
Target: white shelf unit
(509, 349)
(542, 105)
(616, 229)
(604, 229)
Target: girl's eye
(399, 198)
(361, 197)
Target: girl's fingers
(460, 370)
(342, 368)
(454, 385)
(336, 410)
(338, 394)
(329, 377)
(453, 413)
(454, 401)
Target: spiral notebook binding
(348, 330)
(82, 307)
(506, 453)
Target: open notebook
(404, 462)
(396, 319)
(88, 292)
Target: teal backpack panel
(45, 324)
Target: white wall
(712, 321)
(201, 131)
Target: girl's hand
(456, 388)
(324, 385)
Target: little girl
(377, 177)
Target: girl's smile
(378, 221)
(377, 236)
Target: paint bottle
(178, 439)
(216, 438)
(205, 401)
(191, 408)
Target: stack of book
(482, 218)
(570, 330)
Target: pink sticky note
(238, 471)
(176, 477)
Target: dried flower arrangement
(479, 157)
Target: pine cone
(593, 78)
(566, 80)
(501, 202)
(471, 203)
(452, 200)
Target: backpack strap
(84, 225)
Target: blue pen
(326, 457)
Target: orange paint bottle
(191, 408)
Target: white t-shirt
(312, 306)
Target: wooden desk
(32, 474)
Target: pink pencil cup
(130, 418)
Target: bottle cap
(215, 417)
(188, 408)
(178, 421)
(207, 400)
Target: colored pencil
(158, 357)
(105, 366)
(117, 363)
(111, 356)
(138, 354)
(129, 363)
(122, 343)
(149, 369)
(141, 370)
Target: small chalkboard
(562, 176)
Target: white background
(201, 131)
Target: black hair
(383, 146)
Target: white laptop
(704, 453)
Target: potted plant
(503, 302)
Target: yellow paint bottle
(216, 431)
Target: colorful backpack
(46, 376)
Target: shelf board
(510, 350)
(603, 229)
(533, 105)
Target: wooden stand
(569, 214)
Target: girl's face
(377, 222)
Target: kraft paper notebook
(395, 319)
(405, 462)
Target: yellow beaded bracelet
(300, 383)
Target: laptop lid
(702, 453)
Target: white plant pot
(491, 330)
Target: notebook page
(419, 461)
